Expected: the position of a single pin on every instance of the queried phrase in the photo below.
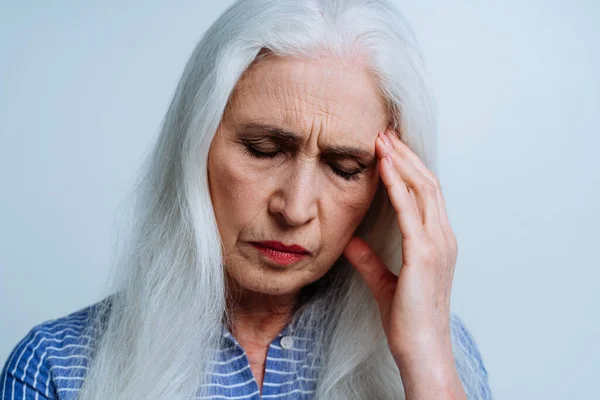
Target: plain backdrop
(84, 86)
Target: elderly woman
(290, 239)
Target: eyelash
(349, 176)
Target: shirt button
(287, 342)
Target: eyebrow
(337, 151)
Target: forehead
(324, 97)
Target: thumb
(378, 277)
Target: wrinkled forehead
(307, 96)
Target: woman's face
(306, 190)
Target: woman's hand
(415, 305)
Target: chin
(273, 283)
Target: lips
(297, 249)
(280, 253)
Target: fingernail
(386, 141)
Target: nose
(295, 201)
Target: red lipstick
(280, 252)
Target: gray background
(83, 88)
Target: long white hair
(160, 331)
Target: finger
(423, 189)
(406, 152)
(416, 202)
(407, 214)
(443, 212)
(377, 276)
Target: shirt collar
(292, 329)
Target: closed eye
(260, 154)
(354, 175)
(347, 175)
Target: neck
(257, 317)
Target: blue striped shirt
(48, 363)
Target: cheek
(346, 210)
(235, 193)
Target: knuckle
(426, 186)
(454, 244)
(429, 254)
(366, 257)
(412, 212)
(453, 249)
(392, 185)
(381, 287)
(451, 237)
